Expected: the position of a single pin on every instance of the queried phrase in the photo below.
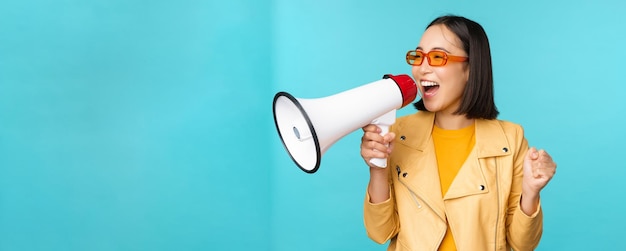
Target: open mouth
(430, 88)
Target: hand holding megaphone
(308, 127)
(383, 123)
(376, 145)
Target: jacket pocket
(413, 199)
(408, 196)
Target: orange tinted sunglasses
(435, 58)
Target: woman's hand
(373, 145)
(539, 168)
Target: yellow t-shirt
(452, 148)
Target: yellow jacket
(481, 205)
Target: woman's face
(441, 86)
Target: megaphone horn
(308, 127)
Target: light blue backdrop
(147, 125)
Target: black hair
(477, 100)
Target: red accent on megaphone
(407, 86)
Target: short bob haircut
(477, 101)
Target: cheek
(453, 77)
(415, 71)
(466, 72)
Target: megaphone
(308, 127)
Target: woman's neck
(452, 121)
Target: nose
(424, 68)
(419, 71)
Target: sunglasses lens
(437, 58)
(414, 58)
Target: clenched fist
(539, 168)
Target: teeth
(428, 83)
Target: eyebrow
(436, 48)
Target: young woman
(457, 177)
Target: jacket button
(482, 187)
(505, 149)
(402, 137)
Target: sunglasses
(435, 58)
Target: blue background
(147, 125)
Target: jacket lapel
(420, 173)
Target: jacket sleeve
(523, 231)
(381, 219)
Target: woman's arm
(525, 217)
(373, 145)
(380, 216)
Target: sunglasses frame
(446, 57)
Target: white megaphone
(308, 127)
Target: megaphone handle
(383, 122)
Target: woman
(457, 178)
